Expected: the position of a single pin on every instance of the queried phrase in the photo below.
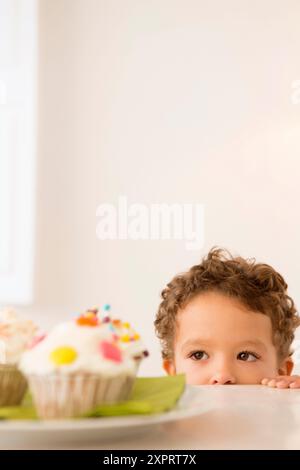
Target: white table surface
(233, 417)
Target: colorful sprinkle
(106, 308)
(63, 355)
(106, 319)
(116, 322)
(89, 314)
(110, 351)
(136, 336)
(93, 310)
(84, 320)
(145, 353)
(126, 325)
(125, 338)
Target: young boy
(228, 320)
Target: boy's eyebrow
(253, 342)
(198, 341)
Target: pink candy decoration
(110, 351)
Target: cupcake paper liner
(66, 396)
(13, 385)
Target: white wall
(163, 101)
(18, 90)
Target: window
(18, 64)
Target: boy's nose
(222, 378)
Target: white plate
(18, 433)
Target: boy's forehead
(213, 315)
(214, 304)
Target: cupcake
(78, 366)
(15, 334)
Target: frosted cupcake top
(16, 333)
(85, 345)
(128, 339)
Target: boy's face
(219, 341)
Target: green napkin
(149, 395)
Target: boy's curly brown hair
(256, 285)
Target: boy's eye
(247, 356)
(199, 355)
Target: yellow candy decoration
(125, 338)
(126, 325)
(136, 336)
(63, 355)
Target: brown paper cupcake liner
(13, 385)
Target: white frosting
(15, 334)
(85, 341)
(134, 348)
